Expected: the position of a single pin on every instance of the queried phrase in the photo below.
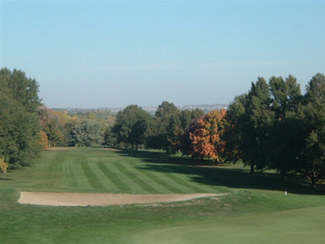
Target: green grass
(256, 211)
(279, 227)
(98, 170)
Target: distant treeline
(273, 126)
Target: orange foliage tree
(205, 135)
(53, 124)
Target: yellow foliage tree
(3, 165)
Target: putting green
(293, 226)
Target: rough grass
(256, 211)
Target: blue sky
(115, 53)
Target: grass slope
(256, 211)
(278, 227)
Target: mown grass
(98, 170)
(256, 210)
(278, 227)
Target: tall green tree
(86, 134)
(131, 126)
(163, 125)
(286, 96)
(313, 164)
(250, 122)
(19, 125)
(258, 120)
(287, 137)
(178, 130)
(274, 126)
(235, 127)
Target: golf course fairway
(239, 208)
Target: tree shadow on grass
(223, 175)
(5, 178)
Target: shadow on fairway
(202, 172)
(5, 178)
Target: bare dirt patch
(111, 149)
(59, 148)
(98, 199)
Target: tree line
(189, 131)
(27, 126)
(74, 128)
(272, 126)
(275, 126)
(169, 129)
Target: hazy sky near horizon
(114, 53)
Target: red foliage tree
(205, 135)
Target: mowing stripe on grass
(51, 172)
(116, 181)
(176, 178)
(67, 173)
(154, 181)
(184, 172)
(134, 177)
(157, 177)
(82, 180)
(121, 176)
(192, 172)
(92, 178)
(102, 177)
(209, 175)
(72, 177)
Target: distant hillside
(151, 110)
(207, 107)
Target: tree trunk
(312, 182)
(283, 175)
(313, 179)
(252, 168)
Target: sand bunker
(97, 199)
